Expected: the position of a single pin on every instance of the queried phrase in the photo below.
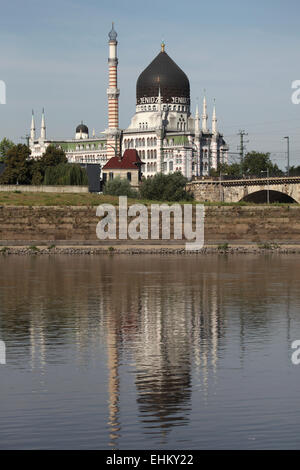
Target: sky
(245, 54)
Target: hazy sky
(244, 53)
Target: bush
(162, 187)
(119, 187)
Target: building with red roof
(128, 167)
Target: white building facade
(163, 131)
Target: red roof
(129, 161)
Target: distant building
(127, 167)
(163, 131)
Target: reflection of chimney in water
(113, 382)
(37, 341)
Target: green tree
(256, 163)
(234, 170)
(68, 174)
(171, 187)
(51, 158)
(119, 187)
(18, 169)
(295, 170)
(5, 146)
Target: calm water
(141, 352)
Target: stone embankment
(136, 250)
(76, 226)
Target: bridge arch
(261, 197)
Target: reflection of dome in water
(163, 73)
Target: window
(111, 176)
(129, 175)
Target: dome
(163, 73)
(82, 128)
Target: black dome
(83, 128)
(165, 73)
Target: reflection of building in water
(113, 383)
(163, 360)
(166, 322)
(179, 327)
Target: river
(149, 352)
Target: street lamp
(115, 148)
(268, 183)
(220, 184)
(288, 155)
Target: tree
(51, 158)
(234, 170)
(5, 146)
(119, 187)
(256, 163)
(68, 174)
(171, 187)
(18, 169)
(295, 170)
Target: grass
(17, 198)
(268, 246)
(223, 247)
(33, 248)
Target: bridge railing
(243, 177)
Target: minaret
(214, 120)
(204, 115)
(214, 141)
(197, 141)
(43, 126)
(113, 132)
(197, 121)
(32, 129)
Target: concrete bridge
(258, 190)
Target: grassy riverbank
(28, 199)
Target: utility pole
(288, 155)
(27, 137)
(242, 134)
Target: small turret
(214, 120)
(204, 115)
(43, 126)
(32, 129)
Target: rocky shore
(135, 250)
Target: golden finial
(163, 46)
